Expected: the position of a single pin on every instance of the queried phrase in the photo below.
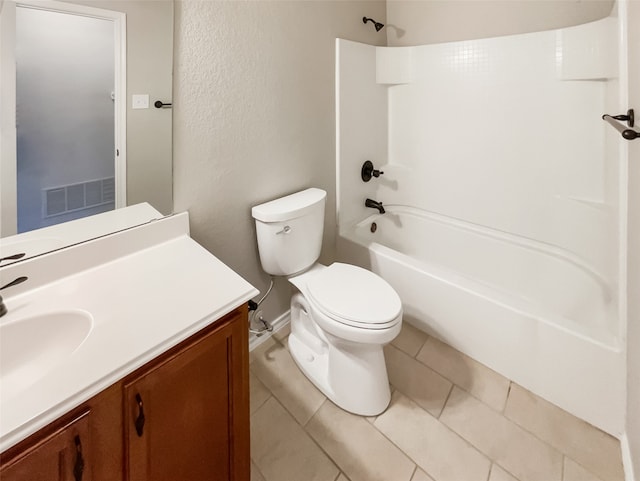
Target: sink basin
(31, 347)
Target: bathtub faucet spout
(374, 205)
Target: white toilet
(341, 316)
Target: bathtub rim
(607, 338)
(543, 247)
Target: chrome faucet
(19, 280)
(375, 205)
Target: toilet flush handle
(286, 230)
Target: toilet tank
(289, 231)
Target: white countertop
(148, 288)
(53, 237)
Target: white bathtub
(532, 312)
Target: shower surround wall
(501, 141)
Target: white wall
(254, 116)
(419, 22)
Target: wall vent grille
(74, 197)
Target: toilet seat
(354, 296)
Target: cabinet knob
(78, 466)
(139, 422)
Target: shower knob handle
(368, 171)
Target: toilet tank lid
(290, 206)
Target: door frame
(8, 140)
(119, 20)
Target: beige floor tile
(342, 477)
(437, 450)
(475, 378)
(282, 450)
(410, 339)
(420, 475)
(595, 450)
(574, 472)
(258, 393)
(263, 349)
(256, 475)
(359, 450)
(499, 474)
(275, 367)
(414, 379)
(282, 333)
(503, 441)
(372, 419)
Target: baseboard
(279, 323)
(627, 459)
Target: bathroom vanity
(153, 384)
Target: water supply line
(253, 312)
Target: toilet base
(352, 375)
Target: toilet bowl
(341, 315)
(338, 345)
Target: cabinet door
(61, 456)
(185, 416)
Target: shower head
(378, 25)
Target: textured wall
(254, 116)
(418, 22)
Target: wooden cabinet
(183, 413)
(60, 456)
(183, 416)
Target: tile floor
(450, 419)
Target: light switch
(140, 101)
